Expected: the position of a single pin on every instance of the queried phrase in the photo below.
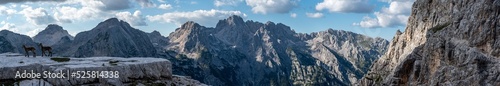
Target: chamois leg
(26, 54)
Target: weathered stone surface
(131, 70)
(446, 42)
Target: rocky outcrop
(51, 35)
(112, 37)
(446, 42)
(236, 52)
(131, 71)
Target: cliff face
(446, 42)
(131, 71)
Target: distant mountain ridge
(111, 37)
(236, 52)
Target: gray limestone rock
(446, 42)
(131, 71)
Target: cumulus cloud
(219, 3)
(8, 26)
(38, 16)
(345, 6)
(204, 17)
(162, 1)
(106, 5)
(165, 6)
(7, 11)
(22, 1)
(293, 15)
(145, 3)
(271, 6)
(68, 14)
(314, 15)
(395, 15)
(135, 19)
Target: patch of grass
(113, 62)
(10, 83)
(60, 59)
(439, 27)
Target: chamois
(45, 49)
(27, 49)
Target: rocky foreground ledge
(15, 69)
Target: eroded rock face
(446, 42)
(131, 71)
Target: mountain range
(235, 52)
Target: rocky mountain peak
(112, 20)
(5, 32)
(235, 50)
(16, 40)
(51, 35)
(111, 37)
(189, 25)
(53, 28)
(231, 21)
(155, 32)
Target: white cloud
(7, 11)
(162, 1)
(345, 6)
(272, 6)
(204, 17)
(146, 3)
(395, 15)
(399, 7)
(106, 5)
(67, 14)
(194, 2)
(22, 1)
(8, 26)
(37, 16)
(24, 6)
(165, 6)
(314, 15)
(219, 3)
(135, 19)
(293, 15)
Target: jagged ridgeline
(446, 42)
(235, 52)
(238, 52)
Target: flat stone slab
(126, 70)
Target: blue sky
(375, 18)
